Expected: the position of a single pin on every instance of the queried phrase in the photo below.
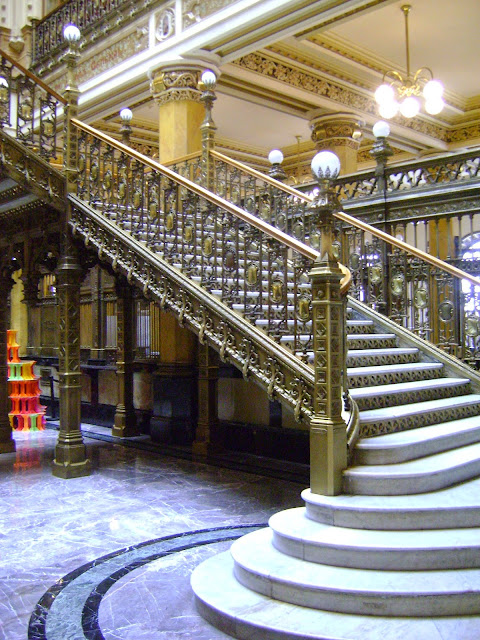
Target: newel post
(328, 431)
(70, 453)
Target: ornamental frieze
(195, 11)
(349, 98)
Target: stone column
(175, 89)
(206, 435)
(70, 453)
(125, 417)
(339, 133)
(7, 443)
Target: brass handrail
(218, 201)
(186, 158)
(33, 77)
(381, 235)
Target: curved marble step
(449, 508)
(296, 535)
(247, 615)
(417, 443)
(419, 414)
(264, 569)
(381, 396)
(415, 476)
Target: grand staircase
(397, 554)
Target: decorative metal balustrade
(256, 271)
(29, 109)
(438, 300)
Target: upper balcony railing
(48, 38)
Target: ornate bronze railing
(29, 109)
(432, 297)
(48, 33)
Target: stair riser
(380, 559)
(393, 377)
(360, 328)
(372, 360)
(422, 395)
(371, 343)
(395, 520)
(414, 451)
(358, 601)
(397, 486)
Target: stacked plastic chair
(27, 413)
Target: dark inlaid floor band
(70, 607)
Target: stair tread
(381, 352)
(294, 524)
(370, 336)
(400, 411)
(250, 613)
(255, 553)
(387, 389)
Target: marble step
(296, 535)
(421, 475)
(390, 374)
(381, 396)
(417, 443)
(376, 357)
(248, 615)
(264, 569)
(449, 508)
(360, 326)
(419, 414)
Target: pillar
(70, 453)
(339, 133)
(175, 89)
(125, 418)
(7, 443)
(207, 435)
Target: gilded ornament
(48, 127)
(397, 284)
(229, 259)
(169, 221)
(277, 291)
(153, 209)
(107, 181)
(304, 309)
(252, 274)
(137, 199)
(354, 261)
(375, 273)
(208, 246)
(445, 311)
(122, 191)
(420, 298)
(188, 233)
(94, 172)
(250, 204)
(472, 326)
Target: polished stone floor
(109, 556)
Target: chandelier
(402, 94)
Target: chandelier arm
(393, 77)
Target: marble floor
(109, 556)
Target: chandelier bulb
(433, 106)
(388, 110)
(410, 107)
(384, 93)
(433, 90)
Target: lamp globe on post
(381, 151)
(275, 157)
(126, 117)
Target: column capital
(178, 80)
(335, 129)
